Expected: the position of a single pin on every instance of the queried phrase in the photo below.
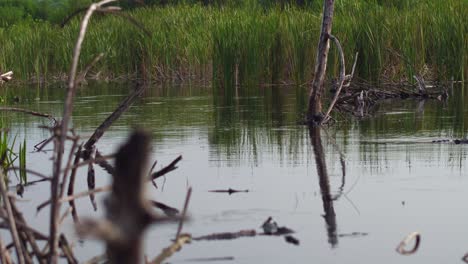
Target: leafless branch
(26, 111)
(184, 213)
(11, 220)
(413, 236)
(172, 166)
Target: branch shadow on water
(327, 199)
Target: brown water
(396, 180)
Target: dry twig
(401, 247)
(11, 220)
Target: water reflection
(249, 139)
(327, 200)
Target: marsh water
(395, 179)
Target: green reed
(250, 43)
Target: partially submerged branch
(315, 97)
(340, 80)
(26, 111)
(6, 77)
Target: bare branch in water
(81, 77)
(401, 247)
(67, 250)
(11, 220)
(62, 135)
(91, 180)
(228, 235)
(184, 212)
(172, 166)
(71, 184)
(26, 111)
(169, 251)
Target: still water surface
(396, 180)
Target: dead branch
(91, 179)
(401, 247)
(29, 234)
(33, 172)
(314, 108)
(71, 184)
(40, 146)
(421, 84)
(172, 166)
(98, 160)
(81, 77)
(184, 212)
(11, 220)
(97, 259)
(350, 76)
(99, 132)
(26, 111)
(6, 77)
(60, 144)
(169, 211)
(67, 250)
(228, 235)
(102, 162)
(340, 80)
(169, 251)
(229, 191)
(4, 254)
(68, 166)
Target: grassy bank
(250, 43)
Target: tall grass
(252, 44)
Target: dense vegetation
(251, 41)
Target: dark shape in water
(455, 141)
(229, 191)
(327, 200)
(167, 210)
(354, 234)
(227, 235)
(292, 240)
(229, 258)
